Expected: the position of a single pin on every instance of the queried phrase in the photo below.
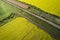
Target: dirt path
(19, 4)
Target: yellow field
(20, 29)
(51, 6)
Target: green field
(4, 11)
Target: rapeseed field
(50, 6)
(20, 29)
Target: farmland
(45, 5)
(17, 28)
(20, 27)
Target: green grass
(4, 12)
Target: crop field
(45, 6)
(20, 28)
